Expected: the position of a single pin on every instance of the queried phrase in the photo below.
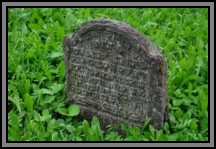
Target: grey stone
(115, 73)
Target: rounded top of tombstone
(133, 36)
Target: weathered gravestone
(116, 74)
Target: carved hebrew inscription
(111, 74)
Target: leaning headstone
(116, 74)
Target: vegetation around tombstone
(37, 107)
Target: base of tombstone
(105, 119)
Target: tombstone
(116, 74)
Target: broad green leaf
(172, 119)
(48, 74)
(31, 53)
(41, 80)
(177, 102)
(190, 88)
(160, 136)
(45, 112)
(55, 136)
(79, 130)
(112, 136)
(28, 102)
(45, 115)
(203, 100)
(46, 91)
(51, 125)
(56, 88)
(166, 128)
(204, 123)
(24, 29)
(60, 31)
(179, 113)
(86, 128)
(193, 124)
(199, 43)
(125, 128)
(14, 129)
(16, 100)
(63, 111)
(73, 110)
(37, 116)
(135, 132)
(21, 88)
(93, 133)
(172, 137)
(187, 101)
(70, 128)
(18, 71)
(129, 138)
(184, 64)
(56, 54)
(69, 21)
(47, 99)
(95, 124)
(27, 85)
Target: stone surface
(115, 73)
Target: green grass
(37, 107)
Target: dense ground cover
(37, 108)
